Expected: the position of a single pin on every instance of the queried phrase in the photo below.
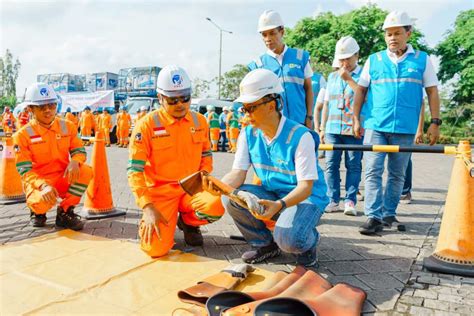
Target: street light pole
(220, 53)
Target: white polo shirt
(305, 156)
(429, 76)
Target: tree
(456, 54)
(8, 76)
(200, 88)
(230, 81)
(319, 35)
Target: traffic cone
(11, 189)
(98, 203)
(454, 252)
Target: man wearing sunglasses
(50, 158)
(291, 65)
(292, 196)
(169, 144)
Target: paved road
(388, 266)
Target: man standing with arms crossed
(291, 65)
(393, 81)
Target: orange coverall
(164, 150)
(72, 118)
(105, 124)
(8, 122)
(42, 156)
(86, 123)
(124, 122)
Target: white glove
(252, 201)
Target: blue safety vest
(316, 85)
(291, 74)
(340, 105)
(395, 93)
(274, 164)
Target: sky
(86, 36)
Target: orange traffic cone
(11, 190)
(454, 252)
(98, 202)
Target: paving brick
(411, 300)
(426, 294)
(436, 304)
(344, 267)
(383, 265)
(428, 280)
(352, 280)
(450, 298)
(385, 300)
(380, 281)
(416, 310)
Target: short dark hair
(407, 28)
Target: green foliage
(8, 75)
(230, 81)
(7, 101)
(200, 88)
(456, 54)
(319, 35)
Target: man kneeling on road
(51, 160)
(169, 144)
(282, 152)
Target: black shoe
(371, 226)
(308, 259)
(260, 254)
(68, 219)
(38, 220)
(390, 221)
(192, 234)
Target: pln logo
(177, 80)
(44, 92)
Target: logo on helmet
(177, 80)
(44, 92)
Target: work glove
(239, 270)
(251, 200)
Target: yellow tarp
(73, 273)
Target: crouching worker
(282, 152)
(169, 144)
(51, 160)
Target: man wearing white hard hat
(285, 209)
(50, 158)
(393, 81)
(336, 126)
(169, 144)
(291, 65)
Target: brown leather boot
(68, 219)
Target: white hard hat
(346, 47)
(39, 94)
(173, 81)
(210, 108)
(269, 20)
(143, 108)
(257, 84)
(225, 108)
(397, 18)
(335, 63)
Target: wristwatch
(283, 205)
(436, 121)
(309, 117)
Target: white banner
(78, 101)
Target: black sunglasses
(175, 100)
(252, 108)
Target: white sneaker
(349, 209)
(332, 207)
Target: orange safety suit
(8, 122)
(86, 123)
(164, 150)
(124, 122)
(139, 116)
(23, 119)
(42, 156)
(105, 124)
(97, 117)
(233, 124)
(72, 118)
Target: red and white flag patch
(36, 138)
(157, 131)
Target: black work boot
(260, 254)
(371, 226)
(68, 219)
(192, 234)
(38, 220)
(390, 221)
